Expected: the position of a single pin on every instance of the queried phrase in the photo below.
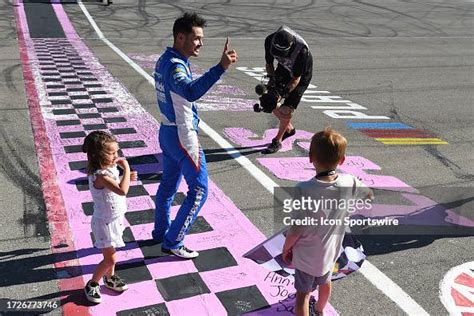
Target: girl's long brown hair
(94, 145)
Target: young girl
(108, 193)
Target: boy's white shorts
(108, 234)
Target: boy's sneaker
(181, 252)
(288, 134)
(92, 293)
(312, 307)
(273, 147)
(115, 283)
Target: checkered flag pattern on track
(269, 255)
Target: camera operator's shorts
(294, 97)
(282, 76)
(284, 112)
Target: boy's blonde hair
(327, 148)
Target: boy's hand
(370, 195)
(133, 176)
(287, 255)
(291, 239)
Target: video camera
(270, 92)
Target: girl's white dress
(109, 211)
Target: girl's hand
(133, 176)
(122, 163)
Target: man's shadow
(221, 154)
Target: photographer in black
(289, 81)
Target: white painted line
(447, 284)
(391, 289)
(374, 275)
(256, 172)
(113, 47)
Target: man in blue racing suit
(178, 136)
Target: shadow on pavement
(35, 269)
(216, 155)
(382, 241)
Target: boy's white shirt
(318, 247)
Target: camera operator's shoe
(273, 147)
(288, 134)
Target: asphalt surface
(26, 269)
(410, 61)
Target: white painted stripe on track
(368, 270)
(391, 289)
(113, 47)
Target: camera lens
(260, 89)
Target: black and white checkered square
(268, 255)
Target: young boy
(313, 250)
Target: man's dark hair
(186, 22)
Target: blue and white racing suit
(178, 137)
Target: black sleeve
(300, 64)
(268, 56)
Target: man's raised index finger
(226, 46)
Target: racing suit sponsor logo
(180, 73)
(160, 91)
(189, 218)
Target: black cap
(282, 43)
